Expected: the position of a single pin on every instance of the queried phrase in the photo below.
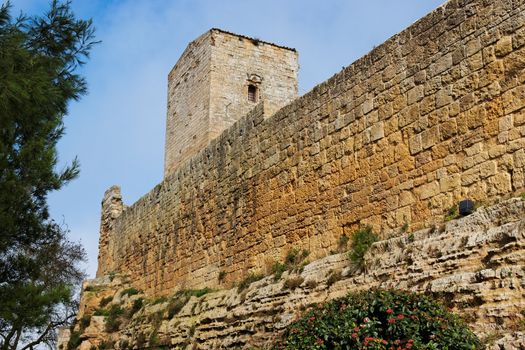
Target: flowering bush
(379, 319)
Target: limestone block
(503, 46)
(428, 190)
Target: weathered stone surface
(476, 264)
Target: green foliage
(135, 307)
(248, 280)
(105, 301)
(113, 321)
(362, 239)
(38, 265)
(522, 195)
(294, 260)
(131, 291)
(379, 319)
(278, 269)
(74, 340)
(84, 322)
(452, 213)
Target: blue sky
(117, 130)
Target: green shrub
(295, 257)
(105, 301)
(248, 280)
(131, 291)
(379, 319)
(278, 269)
(362, 239)
(452, 213)
(113, 321)
(137, 305)
(294, 261)
(84, 322)
(74, 340)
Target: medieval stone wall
(433, 115)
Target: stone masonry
(208, 88)
(434, 115)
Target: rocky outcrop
(476, 264)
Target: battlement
(219, 78)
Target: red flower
(354, 335)
(391, 320)
(389, 311)
(400, 317)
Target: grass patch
(452, 213)
(294, 261)
(278, 269)
(362, 239)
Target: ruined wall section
(187, 122)
(432, 116)
(238, 62)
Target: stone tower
(218, 79)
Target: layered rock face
(434, 115)
(475, 264)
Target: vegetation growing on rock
(379, 319)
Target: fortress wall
(433, 115)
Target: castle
(434, 115)
(430, 117)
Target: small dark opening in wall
(252, 93)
